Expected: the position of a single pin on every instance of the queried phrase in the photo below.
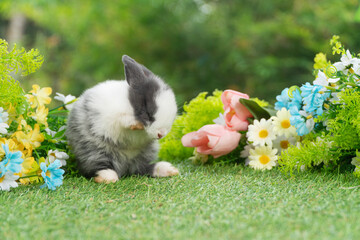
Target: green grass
(205, 202)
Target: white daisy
(263, 157)
(7, 181)
(56, 154)
(261, 133)
(283, 142)
(282, 124)
(67, 100)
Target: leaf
(254, 108)
(60, 134)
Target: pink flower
(235, 114)
(215, 140)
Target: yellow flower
(32, 139)
(13, 144)
(32, 169)
(40, 115)
(320, 61)
(39, 96)
(23, 126)
(12, 112)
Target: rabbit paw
(106, 176)
(137, 126)
(164, 169)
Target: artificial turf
(204, 202)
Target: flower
(68, 100)
(12, 162)
(31, 171)
(3, 128)
(215, 140)
(261, 133)
(320, 61)
(13, 145)
(40, 116)
(347, 62)
(235, 114)
(220, 120)
(262, 157)
(32, 139)
(56, 154)
(39, 96)
(323, 80)
(302, 121)
(283, 142)
(296, 99)
(282, 125)
(313, 98)
(246, 151)
(4, 116)
(282, 100)
(52, 174)
(8, 181)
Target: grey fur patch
(94, 153)
(143, 90)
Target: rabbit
(114, 127)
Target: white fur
(164, 169)
(165, 115)
(116, 114)
(106, 176)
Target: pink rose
(235, 114)
(215, 140)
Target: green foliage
(198, 112)
(307, 155)
(258, 47)
(344, 126)
(14, 61)
(255, 109)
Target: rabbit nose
(160, 135)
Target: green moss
(198, 112)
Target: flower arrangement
(315, 125)
(33, 148)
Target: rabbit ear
(146, 71)
(134, 72)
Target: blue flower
(313, 98)
(299, 120)
(296, 99)
(53, 175)
(282, 100)
(12, 161)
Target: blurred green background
(253, 46)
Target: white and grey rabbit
(114, 127)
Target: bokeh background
(253, 46)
